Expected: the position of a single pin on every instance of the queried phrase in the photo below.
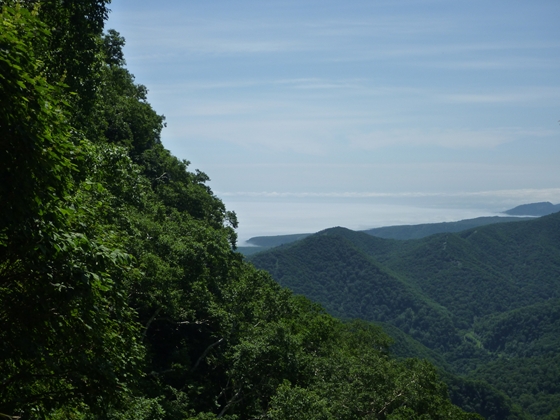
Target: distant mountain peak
(534, 209)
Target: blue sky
(303, 112)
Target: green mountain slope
(427, 229)
(340, 276)
(528, 331)
(483, 298)
(527, 343)
(485, 270)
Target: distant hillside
(261, 243)
(270, 241)
(534, 209)
(480, 299)
(427, 229)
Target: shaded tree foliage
(66, 332)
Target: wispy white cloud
(182, 44)
(516, 194)
(295, 83)
(282, 124)
(447, 138)
(309, 137)
(519, 62)
(322, 84)
(536, 94)
(353, 38)
(385, 26)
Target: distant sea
(282, 216)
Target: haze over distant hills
(482, 304)
(427, 229)
(260, 243)
(534, 209)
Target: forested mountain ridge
(260, 243)
(483, 299)
(427, 229)
(122, 296)
(534, 209)
(341, 276)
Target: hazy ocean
(282, 216)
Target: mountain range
(534, 209)
(416, 231)
(483, 304)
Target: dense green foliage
(484, 301)
(64, 325)
(122, 295)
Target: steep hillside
(485, 270)
(483, 299)
(335, 272)
(529, 331)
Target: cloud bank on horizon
(372, 97)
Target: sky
(310, 114)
